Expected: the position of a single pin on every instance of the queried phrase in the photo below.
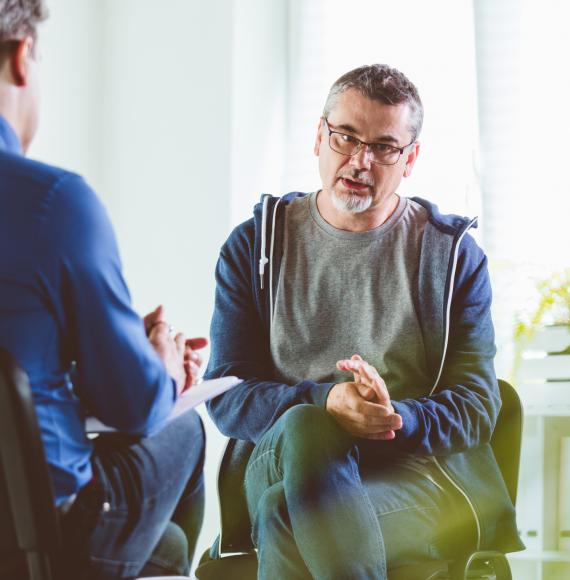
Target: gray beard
(351, 202)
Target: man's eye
(383, 148)
(348, 139)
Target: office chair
(30, 522)
(235, 558)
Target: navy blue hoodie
(451, 420)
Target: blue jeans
(322, 506)
(122, 524)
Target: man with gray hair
(130, 504)
(360, 321)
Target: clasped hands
(362, 406)
(177, 352)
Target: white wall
(136, 97)
(71, 75)
(259, 91)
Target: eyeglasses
(380, 153)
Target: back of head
(18, 19)
(379, 82)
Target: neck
(10, 108)
(373, 217)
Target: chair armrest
(469, 566)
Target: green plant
(553, 306)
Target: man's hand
(192, 360)
(366, 374)
(152, 318)
(351, 405)
(171, 350)
(178, 353)
(363, 407)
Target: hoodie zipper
(445, 345)
(263, 258)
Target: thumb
(152, 318)
(366, 392)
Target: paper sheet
(188, 400)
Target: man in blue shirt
(65, 315)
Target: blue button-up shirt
(63, 299)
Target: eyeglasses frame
(363, 143)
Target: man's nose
(363, 158)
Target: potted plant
(545, 331)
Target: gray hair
(20, 18)
(380, 83)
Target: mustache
(356, 175)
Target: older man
(361, 322)
(65, 315)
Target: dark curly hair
(382, 83)
(19, 18)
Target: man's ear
(411, 158)
(317, 148)
(19, 60)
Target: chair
(506, 445)
(29, 518)
(235, 554)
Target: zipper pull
(262, 261)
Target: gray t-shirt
(342, 293)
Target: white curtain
(524, 88)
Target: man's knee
(185, 439)
(270, 511)
(307, 422)
(197, 427)
(170, 555)
(196, 437)
(308, 435)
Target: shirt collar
(8, 139)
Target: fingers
(363, 407)
(191, 373)
(152, 318)
(357, 429)
(378, 419)
(175, 350)
(366, 393)
(362, 368)
(196, 343)
(170, 350)
(159, 333)
(357, 415)
(192, 369)
(385, 436)
(354, 398)
(193, 360)
(341, 365)
(180, 341)
(365, 373)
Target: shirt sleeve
(119, 377)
